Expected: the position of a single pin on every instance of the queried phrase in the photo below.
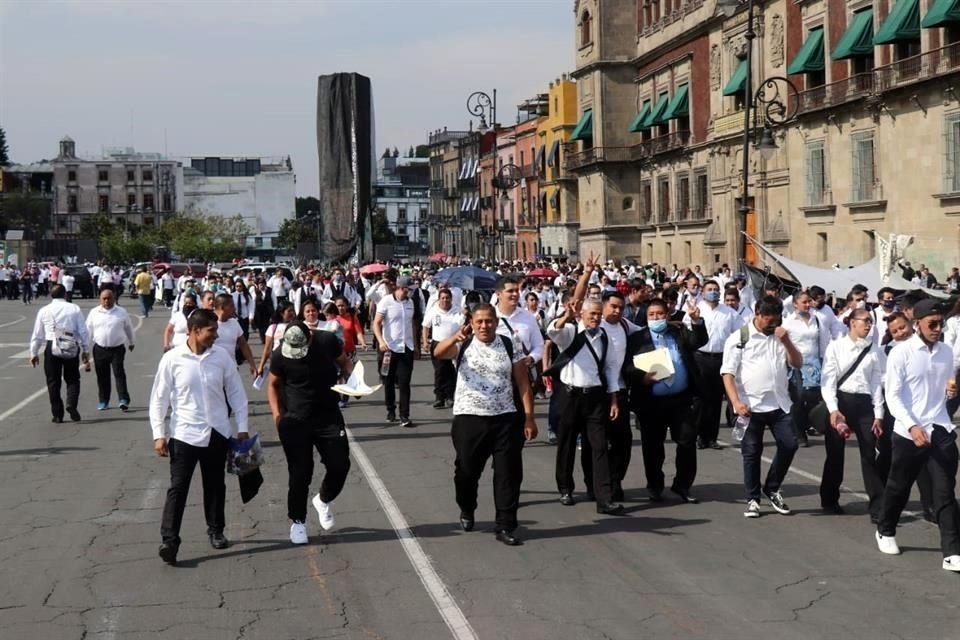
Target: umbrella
(542, 272)
(469, 278)
(438, 257)
(371, 269)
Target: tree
(205, 237)
(4, 151)
(306, 205)
(25, 211)
(96, 227)
(410, 152)
(380, 229)
(423, 151)
(396, 152)
(293, 232)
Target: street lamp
(770, 107)
(481, 105)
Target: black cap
(928, 307)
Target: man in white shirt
(825, 313)
(230, 333)
(195, 381)
(517, 322)
(167, 283)
(691, 292)
(279, 287)
(111, 332)
(61, 322)
(747, 297)
(394, 328)
(4, 281)
(338, 286)
(441, 321)
(919, 373)
(67, 280)
(721, 322)
(731, 298)
(618, 329)
(754, 371)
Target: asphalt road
(79, 529)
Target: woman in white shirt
(852, 386)
(811, 340)
(284, 316)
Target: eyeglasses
(934, 324)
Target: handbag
(819, 416)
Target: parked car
(82, 282)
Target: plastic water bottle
(385, 364)
(740, 427)
(844, 430)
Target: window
(869, 244)
(586, 29)
(822, 246)
(131, 200)
(72, 203)
(646, 201)
(701, 197)
(663, 198)
(148, 202)
(167, 202)
(818, 185)
(401, 216)
(951, 164)
(72, 175)
(669, 253)
(148, 221)
(258, 242)
(148, 175)
(131, 175)
(864, 180)
(683, 197)
(687, 252)
(103, 204)
(61, 224)
(103, 175)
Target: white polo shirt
(228, 332)
(442, 324)
(397, 323)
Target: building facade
(560, 219)
(445, 201)
(402, 194)
(510, 197)
(659, 141)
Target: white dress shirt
(759, 369)
(582, 370)
(179, 322)
(745, 312)
(617, 338)
(245, 307)
(720, 321)
(747, 297)
(809, 336)
(866, 380)
(916, 383)
(110, 327)
(344, 289)
(67, 281)
(58, 314)
(951, 338)
(524, 328)
(442, 324)
(397, 328)
(829, 319)
(196, 388)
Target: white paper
(258, 382)
(657, 362)
(356, 387)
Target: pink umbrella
(376, 267)
(542, 272)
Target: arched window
(586, 28)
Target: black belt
(583, 391)
(710, 354)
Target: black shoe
(684, 496)
(218, 541)
(656, 495)
(57, 420)
(439, 404)
(610, 509)
(715, 445)
(508, 538)
(930, 516)
(617, 494)
(702, 445)
(391, 417)
(567, 500)
(406, 423)
(833, 509)
(74, 415)
(466, 522)
(803, 442)
(168, 552)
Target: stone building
(402, 195)
(558, 188)
(445, 201)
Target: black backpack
(508, 346)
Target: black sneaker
(439, 404)
(168, 552)
(406, 423)
(391, 417)
(776, 501)
(74, 415)
(219, 541)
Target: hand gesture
(464, 332)
(592, 262)
(693, 310)
(781, 333)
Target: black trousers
(940, 459)
(106, 359)
(800, 412)
(444, 376)
(476, 439)
(401, 370)
(674, 413)
(586, 413)
(299, 440)
(245, 325)
(59, 370)
(858, 410)
(183, 460)
(710, 393)
(621, 442)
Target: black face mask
(188, 309)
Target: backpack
(508, 346)
(64, 344)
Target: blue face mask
(711, 296)
(657, 326)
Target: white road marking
(10, 345)
(13, 322)
(449, 610)
(21, 355)
(20, 405)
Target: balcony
(529, 171)
(828, 95)
(452, 193)
(700, 212)
(577, 160)
(661, 144)
(931, 64)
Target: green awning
(584, 130)
(941, 14)
(810, 57)
(857, 40)
(656, 114)
(903, 23)
(637, 125)
(679, 106)
(737, 80)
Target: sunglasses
(934, 324)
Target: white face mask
(860, 304)
(861, 343)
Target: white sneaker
(888, 545)
(952, 563)
(298, 533)
(325, 513)
(753, 509)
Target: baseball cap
(927, 307)
(296, 341)
(404, 281)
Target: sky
(239, 77)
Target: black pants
(476, 439)
(587, 414)
(676, 414)
(58, 370)
(444, 377)
(940, 459)
(710, 393)
(621, 442)
(245, 326)
(168, 297)
(809, 397)
(105, 359)
(858, 410)
(183, 460)
(401, 370)
(299, 440)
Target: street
(79, 528)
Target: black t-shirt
(305, 383)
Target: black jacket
(642, 342)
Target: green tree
(423, 151)
(4, 151)
(380, 229)
(204, 237)
(96, 227)
(305, 205)
(293, 232)
(25, 211)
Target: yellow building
(559, 219)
